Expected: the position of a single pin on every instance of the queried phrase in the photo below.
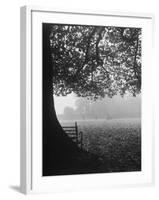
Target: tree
(92, 62)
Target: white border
(31, 92)
(25, 101)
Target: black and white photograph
(91, 99)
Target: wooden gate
(74, 134)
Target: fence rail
(74, 134)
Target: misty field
(116, 142)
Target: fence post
(81, 140)
(76, 128)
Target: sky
(64, 101)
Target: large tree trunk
(60, 154)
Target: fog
(107, 108)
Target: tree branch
(134, 65)
(97, 30)
(97, 43)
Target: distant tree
(88, 109)
(83, 108)
(92, 62)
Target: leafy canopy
(95, 61)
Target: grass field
(116, 142)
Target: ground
(116, 142)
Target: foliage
(95, 61)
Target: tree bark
(60, 154)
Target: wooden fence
(74, 134)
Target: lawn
(116, 142)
